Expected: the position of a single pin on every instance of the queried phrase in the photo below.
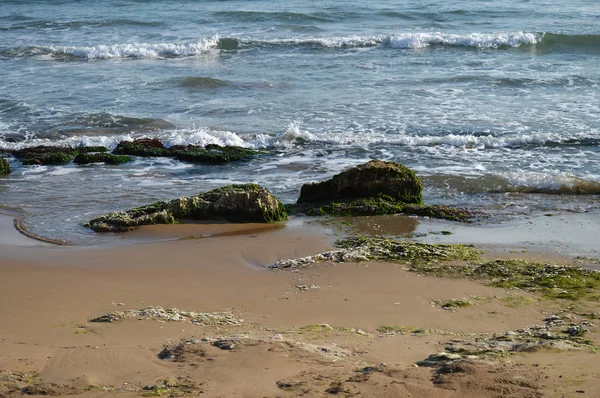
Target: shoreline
(310, 331)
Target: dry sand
(307, 332)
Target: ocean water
(496, 105)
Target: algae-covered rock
(212, 154)
(141, 147)
(52, 155)
(235, 203)
(87, 158)
(4, 166)
(373, 188)
(373, 179)
(50, 159)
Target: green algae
(403, 251)
(363, 248)
(52, 155)
(235, 203)
(210, 154)
(4, 166)
(455, 303)
(568, 282)
(381, 205)
(50, 159)
(87, 158)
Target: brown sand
(317, 340)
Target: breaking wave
(412, 40)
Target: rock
(373, 179)
(235, 203)
(87, 158)
(141, 147)
(52, 155)
(4, 166)
(224, 344)
(212, 154)
(373, 188)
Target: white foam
(137, 50)
(550, 182)
(477, 40)
(417, 40)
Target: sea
(494, 104)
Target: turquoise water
(494, 104)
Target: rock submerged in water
(235, 203)
(212, 154)
(4, 166)
(52, 155)
(373, 188)
(108, 158)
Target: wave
(552, 40)
(117, 51)
(518, 182)
(412, 40)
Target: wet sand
(310, 332)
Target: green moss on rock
(87, 158)
(50, 159)
(235, 203)
(211, 154)
(373, 188)
(372, 179)
(4, 166)
(52, 155)
(553, 281)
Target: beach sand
(314, 331)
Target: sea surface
(495, 104)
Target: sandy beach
(328, 329)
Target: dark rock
(142, 147)
(212, 154)
(52, 155)
(50, 159)
(373, 188)
(236, 203)
(224, 344)
(87, 158)
(4, 166)
(373, 179)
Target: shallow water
(494, 105)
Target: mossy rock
(146, 147)
(214, 154)
(87, 158)
(373, 179)
(383, 206)
(235, 203)
(52, 155)
(49, 159)
(211, 154)
(4, 166)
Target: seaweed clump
(553, 281)
(4, 166)
(373, 188)
(52, 155)
(211, 154)
(235, 203)
(87, 158)
(363, 248)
